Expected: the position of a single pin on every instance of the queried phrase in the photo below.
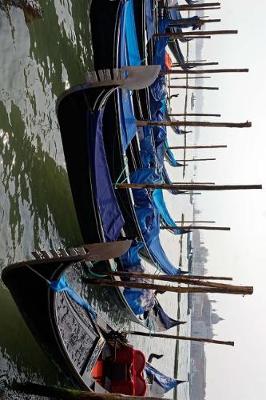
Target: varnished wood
(179, 337)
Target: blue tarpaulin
(128, 56)
(109, 210)
(159, 203)
(164, 382)
(161, 43)
(131, 34)
(63, 285)
(169, 155)
(127, 118)
(149, 219)
(149, 16)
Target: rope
(90, 272)
(120, 176)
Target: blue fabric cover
(132, 297)
(161, 43)
(150, 23)
(127, 118)
(170, 157)
(165, 382)
(159, 203)
(128, 55)
(140, 300)
(174, 13)
(149, 220)
(110, 213)
(131, 260)
(131, 34)
(62, 285)
(167, 179)
(147, 147)
(162, 319)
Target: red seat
(128, 379)
(98, 370)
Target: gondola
(82, 345)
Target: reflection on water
(38, 60)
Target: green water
(37, 62)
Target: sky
(237, 373)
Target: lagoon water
(38, 60)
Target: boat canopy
(109, 210)
(161, 383)
(159, 203)
(149, 220)
(149, 16)
(128, 55)
(128, 41)
(169, 155)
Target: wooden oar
(107, 250)
(88, 252)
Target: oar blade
(106, 251)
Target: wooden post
(190, 77)
(196, 64)
(194, 87)
(169, 278)
(185, 187)
(181, 23)
(205, 71)
(194, 37)
(196, 5)
(194, 222)
(195, 227)
(196, 33)
(194, 339)
(210, 20)
(197, 159)
(192, 182)
(246, 124)
(197, 9)
(206, 124)
(219, 288)
(217, 146)
(62, 393)
(194, 115)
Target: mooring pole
(205, 71)
(196, 33)
(195, 227)
(195, 123)
(218, 146)
(193, 87)
(186, 187)
(178, 337)
(194, 115)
